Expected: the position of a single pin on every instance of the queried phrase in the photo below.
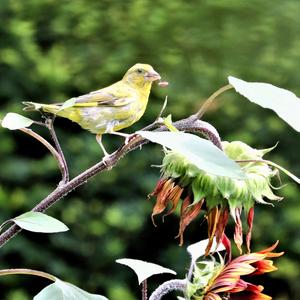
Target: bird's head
(141, 75)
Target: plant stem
(65, 172)
(206, 104)
(27, 272)
(5, 223)
(167, 287)
(144, 290)
(47, 145)
(190, 124)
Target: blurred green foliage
(52, 50)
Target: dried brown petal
(188, 214)
(250, 226)
(238, 232)
(212, 221)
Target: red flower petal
(268, 252)
(264, 266)
(221, 225)
(227, 244)
(212, 296)
(238, 232)
(187, 215)
(250, 226)
(250, 296)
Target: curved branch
(5, 272)
(64, 169)
(53, 151)
(207, 103)
(191, 124)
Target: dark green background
(53, 50)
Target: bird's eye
(140, 71)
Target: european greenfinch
(110, 109)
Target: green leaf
(143, 269)
(169, 124)
(285, 103)
(68, 103)
(198, 249)
(202, 153)
(60, 290)
(15, 121)
(39, 222)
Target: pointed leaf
(143, 269)
(169, 124)
(39, 222)
(202, 153)
(198, 249)
(15, 121)
(285, 103)
(60, 290)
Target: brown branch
(65, 171)
(190, 124)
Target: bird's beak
(152, 76)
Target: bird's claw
(129, 137)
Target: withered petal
(188, 214)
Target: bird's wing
(111, 96)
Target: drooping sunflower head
(219, 196)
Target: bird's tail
(50, 108)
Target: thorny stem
(167, 287)
(144, 290)
(5, 272)
(65, 172)
(191, 124)
(206, 104)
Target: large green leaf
(60, 290)
(15, 121)
(39, 222)
(144, 269)
(202, 153)
(285, 103)
(198, 249)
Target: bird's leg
(99, 141)
(125, 135)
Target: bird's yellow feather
(109, 109)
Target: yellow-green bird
(109, 109)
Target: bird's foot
(129, 138)
(106, 161)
